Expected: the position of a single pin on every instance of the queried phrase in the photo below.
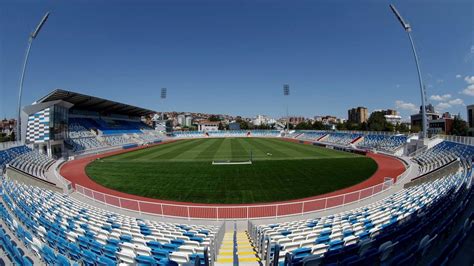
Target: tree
(415, 128)
(303, 126)
(377, 122)
(263, 126)
(318, 125)
(214, 118)
(244, 124)
(401, 127)
(459, 127)
(341, 126)
(364, 126)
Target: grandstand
(341, 138)
(81, 123)
(442, 154)
(388, 143)
(423, 216)
(33, 163)
(58, 228)
(371, 234)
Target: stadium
(122, 192)
(94, 181)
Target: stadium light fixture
(33, 36)
(407, 28)
(163, 93)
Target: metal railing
(234, 212)
(459, 139)
(66, 184)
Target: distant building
(442, 125)
(181, 120)
(188, 121)
(391, 116)
(470, 119)
(431, 114)
(393, 119)
(389, 112)
(263, 120)
(208, 126)
(295, 120)
(358, 115)
(329, 119)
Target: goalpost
(234, 162)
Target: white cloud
(440, 97)
(469, 90)
(448, 104)
(456, 102)
(442, 106)
(406, 106)
(469, 80)
(458, 76)
(439, 81)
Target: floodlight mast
(33, 36)
(286, 92)
(407, 28)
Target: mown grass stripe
(224, 152)
(282, 176)
(211, 150)
(145, 152)
(171, 153)
(239, 152)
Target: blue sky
(233, 56)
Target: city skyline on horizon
(239, 66)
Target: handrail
(234, 212)
(66, 184)
(459, 139)
(418, 152)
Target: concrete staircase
(226, 251)
(245, 250)
(237, 249)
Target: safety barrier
(234, 212)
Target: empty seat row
(33, 163)
(64, 226)
(326, 235)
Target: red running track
(75, 172)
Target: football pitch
(183, 170)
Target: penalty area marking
(228, 162)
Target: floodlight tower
(163, 94)
(286, 92)
(407, 29)
(33, 36)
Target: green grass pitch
(183, 171)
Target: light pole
(407, 28)
(286, 92)
(22, 78)
(164, 92)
